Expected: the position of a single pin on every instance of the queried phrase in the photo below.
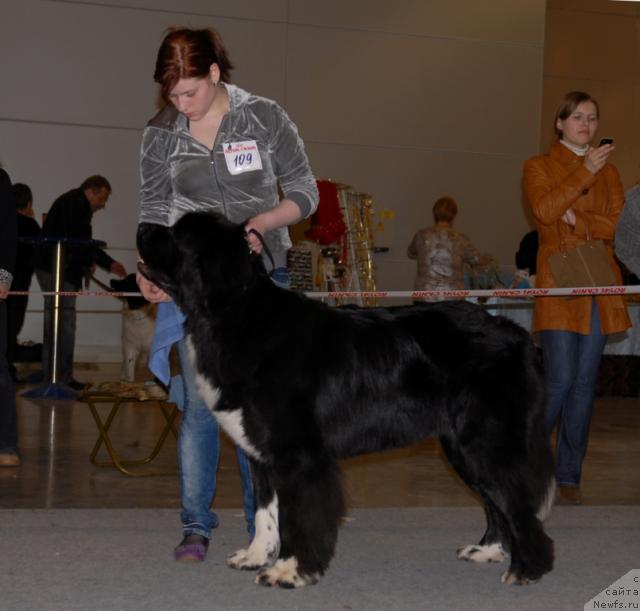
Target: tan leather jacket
(553, 183)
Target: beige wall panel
(487, 189)
(382, 90)
(596, 6)
(574, 59)
(634, 165)
(599, 46)
(441, 18)
(104, 76)
(256, 10)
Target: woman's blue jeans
(571, 363)
(198, 454)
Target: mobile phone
(606, 141)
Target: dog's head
(209, 262)
(129, 285)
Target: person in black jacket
(70, 217)
(28, 228)
(8, 238)
(528, 252)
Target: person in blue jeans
(576, 195)
(571, 363)
(213, 147)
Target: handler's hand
(150, 291)
(4, 290)
(118, 269)
(569, 217)
(257, 223)
(596, 157)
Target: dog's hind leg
(311, 504)
(493, 546)
(531, 550)
(512, 524)
(265, 546)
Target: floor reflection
(56, 439)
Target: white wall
(408, 100)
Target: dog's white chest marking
(230, 421)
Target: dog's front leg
(311, 507)
(265, 546)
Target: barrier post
(53, 388)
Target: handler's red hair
(186, 53)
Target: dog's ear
(160, 255)
(216, 262)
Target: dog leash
(116, 294)
(265, 249)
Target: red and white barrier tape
(76, 293)
(509, 293)
(461, 294)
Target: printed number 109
(242, 159)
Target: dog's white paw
(284, 573)
(482, 553)
(265, 547)
(252, 558)
(518, 580)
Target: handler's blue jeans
(198, 454)
(571, 362)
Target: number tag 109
(242, 156)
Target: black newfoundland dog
(300, 385)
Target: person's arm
(602, 226)
(470, 254)
(295, 178)
(108, 263)
(8, 234)
(152, 238)
(155, 177)
(550, 199)
(286, 213)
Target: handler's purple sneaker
(193, 548)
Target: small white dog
(138, 323)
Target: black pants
(16, 310)
(8, 419)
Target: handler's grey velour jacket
(257, 147)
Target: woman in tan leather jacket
(575, 194)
